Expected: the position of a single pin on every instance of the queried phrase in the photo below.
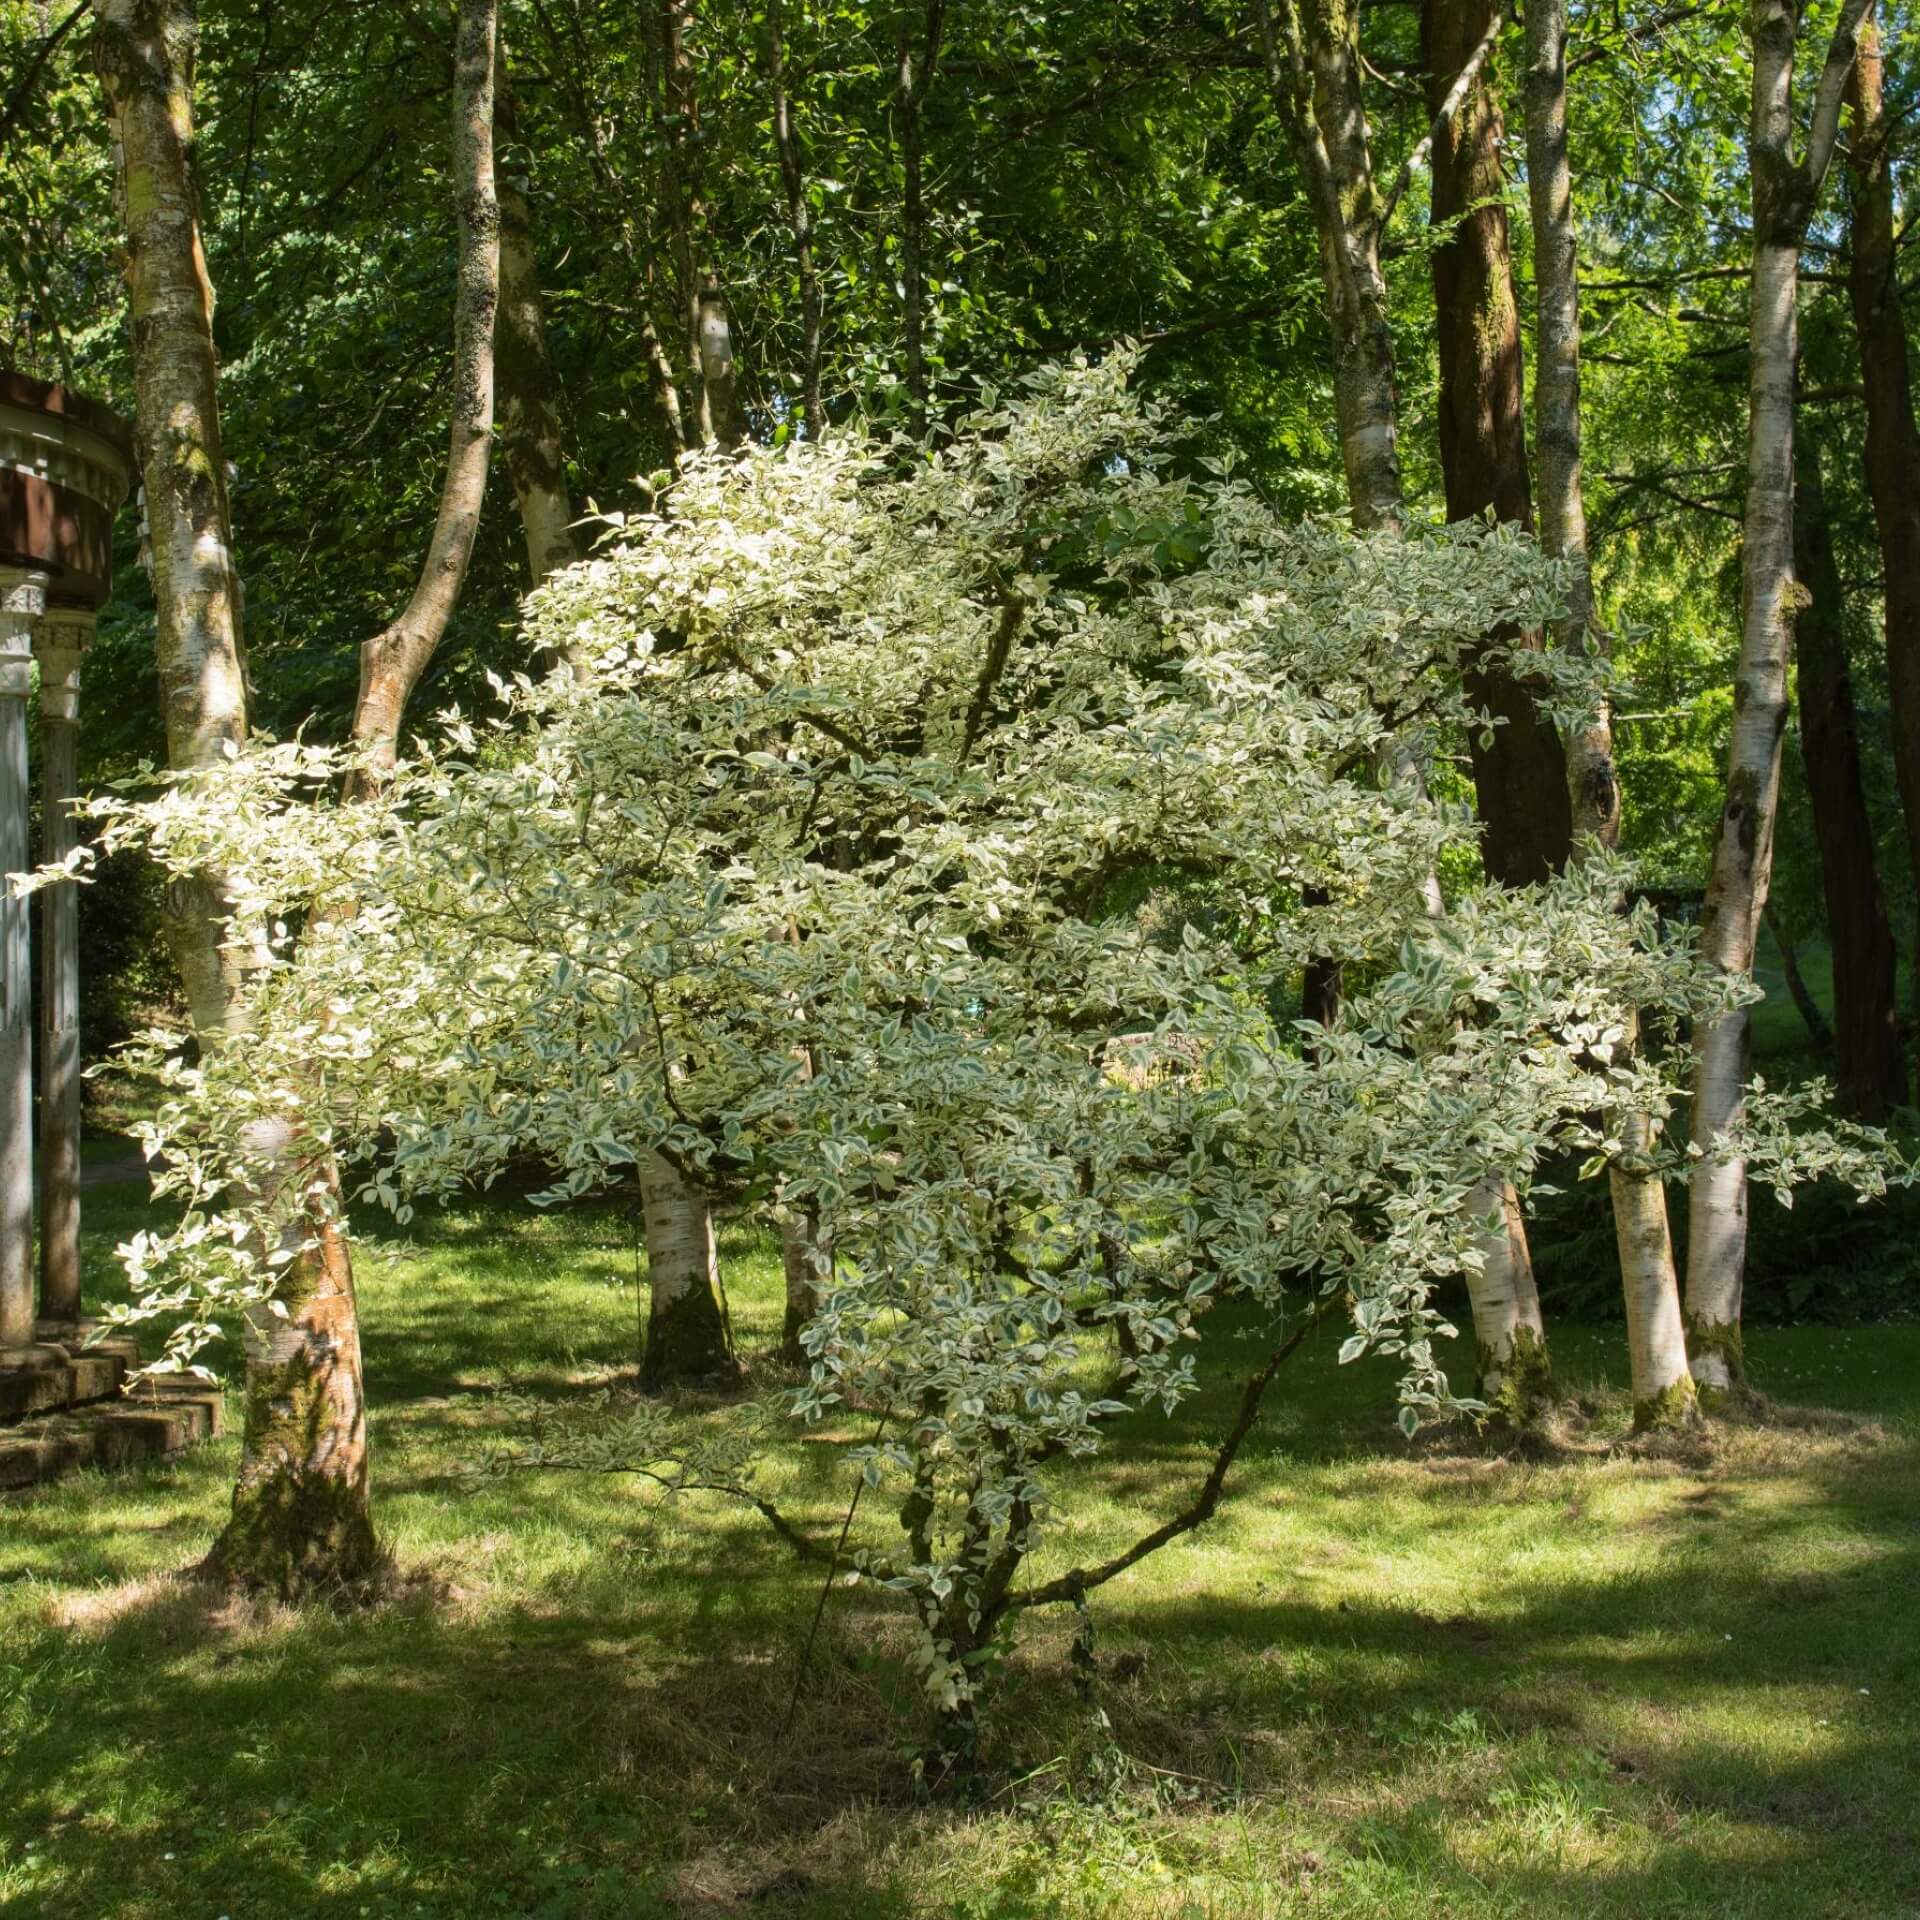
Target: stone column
(59, 641)
(23, 598)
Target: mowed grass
(1388, 1680)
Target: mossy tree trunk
(1519, 771)
(145, 56)
(1315, 74)
(300, 1508)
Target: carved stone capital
(60, 637)
(23, 599)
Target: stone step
(110, 1433)
(61, 1372)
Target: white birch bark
(1785, 188)
(1662, 1384)
(392, 662)
(1510, 1337)
(687, 1333)
(145, 56)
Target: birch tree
(1663, 1388)
(145, 57)
(1786, 183)
(300, 1501)
(1315, 74)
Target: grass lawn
(1427, 1681)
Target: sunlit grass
(1387, 1681)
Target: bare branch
(1462, 83)
(1824, 128)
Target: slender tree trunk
(1662, 1383)
(305, 1438)
(300, 1504)
(530, 433)
(1785, 188)
(1510, 1338)
(1869, 1070)
(1519, 773)
(800, 221)
(688, 1336)
(1315, 71)
(392, 662)
(914, 76)
(1893, 440)
(1811, 1017)
(145, 54)
(676, 1214)
(800, 1256)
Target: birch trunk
(392, 662)
(145, 56)
(676, 1215)
(300, 1506)
(1785, 188)
(1869, 1069)
(800, 223)
(1519, 771)
(1663, 1387)
(1893, 439)
(913, 76)
(1314, 70)
(689, 1339)
(530, 434)
(1510, 1337)
(800, 1258)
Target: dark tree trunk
(1869, 1072)
(1893, 441)
(1519, 774)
